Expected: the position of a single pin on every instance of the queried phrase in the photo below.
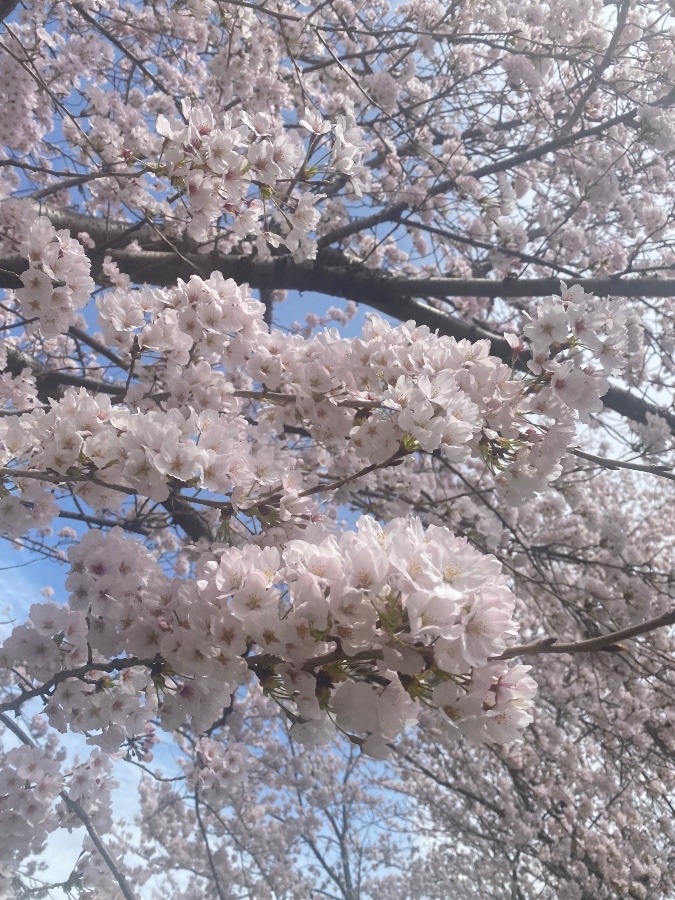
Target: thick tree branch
(334, 274)
(162, 268)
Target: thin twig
(80, 673)
(209, 855)
(661, 471)
(55, 478)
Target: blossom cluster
(214, 319)
(198, 416)
(29, 783)
(350, 632)
(219, 764)
(576, 322)
(249, 169)
(389, 385)
(393, 390)
(567, 336)
(38, 796)
(57, 281)
(17, 392)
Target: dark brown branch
(96, 345)
(334, 274)
(48, 381)
(185, 517)
(134, 525)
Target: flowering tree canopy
(439, 535)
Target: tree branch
(80, 673)
(209, 855)
(607, 642)
(661, 471)
(335, 275)
(392, 212)
(76, 807)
